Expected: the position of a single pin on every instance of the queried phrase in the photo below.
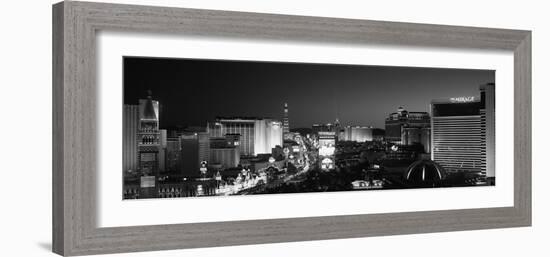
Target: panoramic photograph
(206, 128)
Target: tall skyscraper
(286, 123)
(130, 138)
(257, 135)
(173, 154)
(204, 146)
(189, 156)
(148, 137)
(195, 148)
(456, 132)
(149, 147)
(487, 93)
(162, 149)
(463, 133)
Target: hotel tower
(463, 133)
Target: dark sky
(192, 91)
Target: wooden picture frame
(74, 130)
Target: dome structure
(425, 173)
(272, 168)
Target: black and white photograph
(198, 127)
(214, 128)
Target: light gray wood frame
(74, 129)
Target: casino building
(408, 128)
(463, 133)
(257, 135)
(362, 134)
(195, 149)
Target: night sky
(193, 91)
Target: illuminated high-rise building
(148, 137)
(257, 136)
(130, 137)
(286, 123)
(268, 135)
(148, 147)
(463, 133)
(242, 126)
(362, 134)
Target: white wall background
(25, 127)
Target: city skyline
(356, 95)
(438, 128)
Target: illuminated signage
(326, 150)
(327, 164)
(203, 167)
(463, 99)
